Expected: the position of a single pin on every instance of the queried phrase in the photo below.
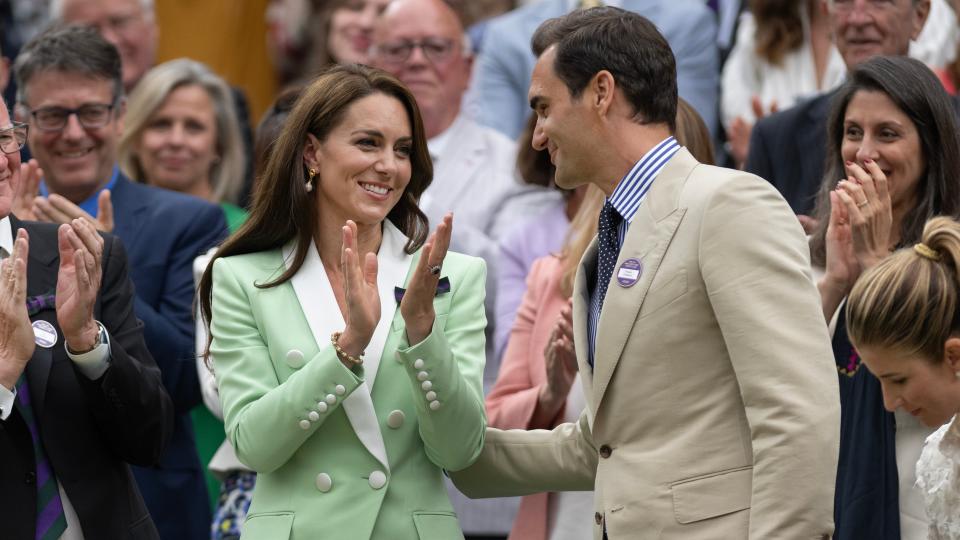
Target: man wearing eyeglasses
(422, 43)
(80, 395)
(70, 93)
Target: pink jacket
(512, 400)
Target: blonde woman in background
(181, 133)
(903, 315)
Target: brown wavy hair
(779, 28)
(283, 209)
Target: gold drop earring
(311, 174)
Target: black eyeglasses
(91, 115)
(437, 50)
(13, 138)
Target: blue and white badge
(629, 272)
(44, 334)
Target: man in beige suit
(712, 400)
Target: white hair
(56, 9)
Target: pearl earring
(309, 185)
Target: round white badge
(44, 334)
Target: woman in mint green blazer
(348, 347)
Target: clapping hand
(16, 333)
(30, 175)
(362, 298)
(417, 304)
(560, 355)
(560, 360)
(78, 283)
(858, 234)
(866, 196)
(58, 209)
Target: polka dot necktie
(608, 249)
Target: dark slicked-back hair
(627, 45)
(69, 49)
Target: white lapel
(319, 306)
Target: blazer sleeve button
(598, 517)
(605, 451)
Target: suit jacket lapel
(41, 279)
(319, 306)
(581, 309)
(647, 241)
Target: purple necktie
(51, 521)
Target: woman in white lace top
(903, 316)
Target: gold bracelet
(341, 354)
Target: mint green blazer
(342, 455)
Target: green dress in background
(207, 428)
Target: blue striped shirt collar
(633, 187)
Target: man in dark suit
(788, 148)
(71, 93)
(80, 395)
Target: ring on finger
(435, 269)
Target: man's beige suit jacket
(713, 409)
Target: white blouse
(746, 74)
(938, 479)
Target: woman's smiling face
(363, 165)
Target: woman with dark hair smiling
(332, 284)
(894, 146)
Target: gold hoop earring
(310, 174)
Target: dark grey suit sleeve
(128, 401)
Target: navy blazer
(789, 148)
(163, 232)
(91, 429)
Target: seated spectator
(422, 43)
(304, 41)
(181, 133)
(131, 26)
(71, 92)
(543, 235)
(902, 317)
(498, 91)
(538, 386)
(783, 54)
(893, 139)
(74, 412)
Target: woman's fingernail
(868, 161)
(848, 163)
